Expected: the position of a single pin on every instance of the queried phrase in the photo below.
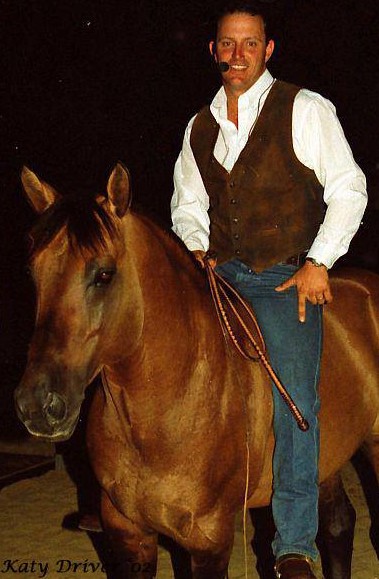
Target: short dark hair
(254, 8)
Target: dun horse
(170, 431)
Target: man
(256, 172)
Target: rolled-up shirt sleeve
(190, 202)
(320, 144)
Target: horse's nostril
(55, 407)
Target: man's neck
(232, 97)
(232, 109)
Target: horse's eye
(104, 277)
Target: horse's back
(350, 370)
(353, 316)
(353, 290)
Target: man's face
(241, 42)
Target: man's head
(243, 41)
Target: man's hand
(312, 284)
(201, 257)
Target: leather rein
(227, 302)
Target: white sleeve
(320, 144)
(190, 202)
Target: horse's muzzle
(44, 412)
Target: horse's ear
(39, 194)
(119, 191)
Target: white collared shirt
(319, 143)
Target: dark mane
(88, 224)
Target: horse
(180, 433)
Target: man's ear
(213, 50)
(269, 50)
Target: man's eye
(103, 277)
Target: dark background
(85, 83)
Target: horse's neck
(159, 283)
(179, 325)
(173, 288)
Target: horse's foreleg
(210, 566)
(336, 529)
(180, 558)
(134, 553)
(211, 561)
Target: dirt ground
(33, 543)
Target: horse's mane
(88, 224)
(174, 248)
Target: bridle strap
(226, 297)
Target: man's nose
(238, 50)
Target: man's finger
(313, 299)
(286, 285)
(301, 300)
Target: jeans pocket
(243, 278)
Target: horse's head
(78, 267)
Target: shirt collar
(248, 99)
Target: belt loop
(298, 259)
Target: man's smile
(238, 66)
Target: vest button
(236, 236)
(233, 201)
(237, 252)
(231, 184)
(235, 219)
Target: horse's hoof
(90, 523)
(82, 522)
(293, 566)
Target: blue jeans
(294, 350)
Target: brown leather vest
(270, 206)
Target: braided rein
(224, 293)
